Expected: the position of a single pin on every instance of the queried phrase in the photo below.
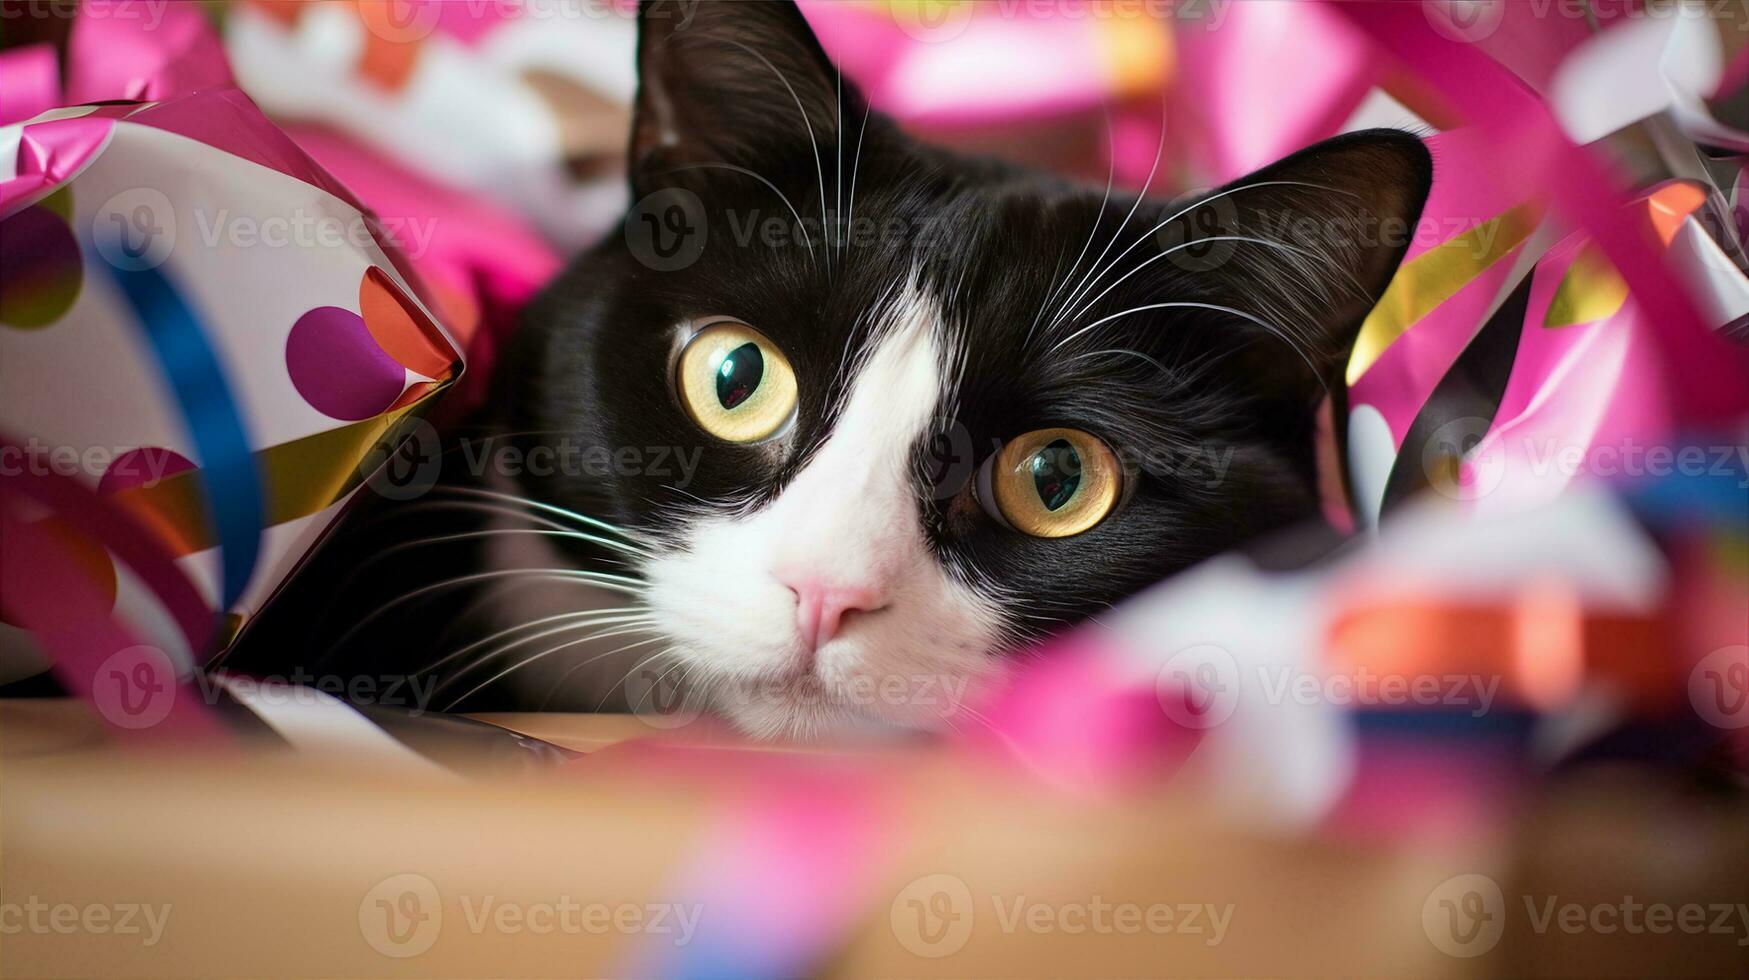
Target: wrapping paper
(206, 346)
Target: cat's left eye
(735, 383)
(1051, 483)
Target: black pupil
(739, 375)
(1056, 472)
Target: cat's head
(934, 405)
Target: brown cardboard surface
(273, 864)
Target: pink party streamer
(48, 593)
(122, 535)
(1526, 136)
(33, 82)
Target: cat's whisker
(488, 682)
(807, 239)
(594, 539)
(838, 162)
(1124, 352)
(573, 620)
(819, 174)
(1192, 243)
(1209, 200)
(579, 666)
(627, 675)
(475, 506)
(1110, 176)
(855, 165)
(599, 580)
(1094, 272)
(604, 628)
(654, 685)
(636, 537)
(1283, 335)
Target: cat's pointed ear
(1306, 247)
(740, 84)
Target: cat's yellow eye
(736, 384)
(1052, 483)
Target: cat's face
(967, 405)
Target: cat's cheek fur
(849, 516)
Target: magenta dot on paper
(337, 366)
(145, 466)
(40, 268)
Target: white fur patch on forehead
(897, 385)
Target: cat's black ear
(741, 84)
(1306, 247)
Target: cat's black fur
(719, 128)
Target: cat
(842, 421)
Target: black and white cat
(924, 407)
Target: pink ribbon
(1527, 138)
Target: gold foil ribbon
(1591, 290)
(298, 478)
(1433, 277)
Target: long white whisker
(807, 239)
(630, 624)
(477, 506)
(1110, 175)
(1192, 207)
(488, 682)
(1179, 247)
(1276, 331)
(819, 174)
(634, 536)
(574, 620)
(855, 165)
(600, 580)
(654, 684)
(838, 163)
(633, 669)
(1095, 272)
(619, 546)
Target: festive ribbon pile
(221, 465)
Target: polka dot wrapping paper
(203, 335)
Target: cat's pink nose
(821, 606)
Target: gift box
(207, 346)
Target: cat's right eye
(1051, 483)
(735, 383)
